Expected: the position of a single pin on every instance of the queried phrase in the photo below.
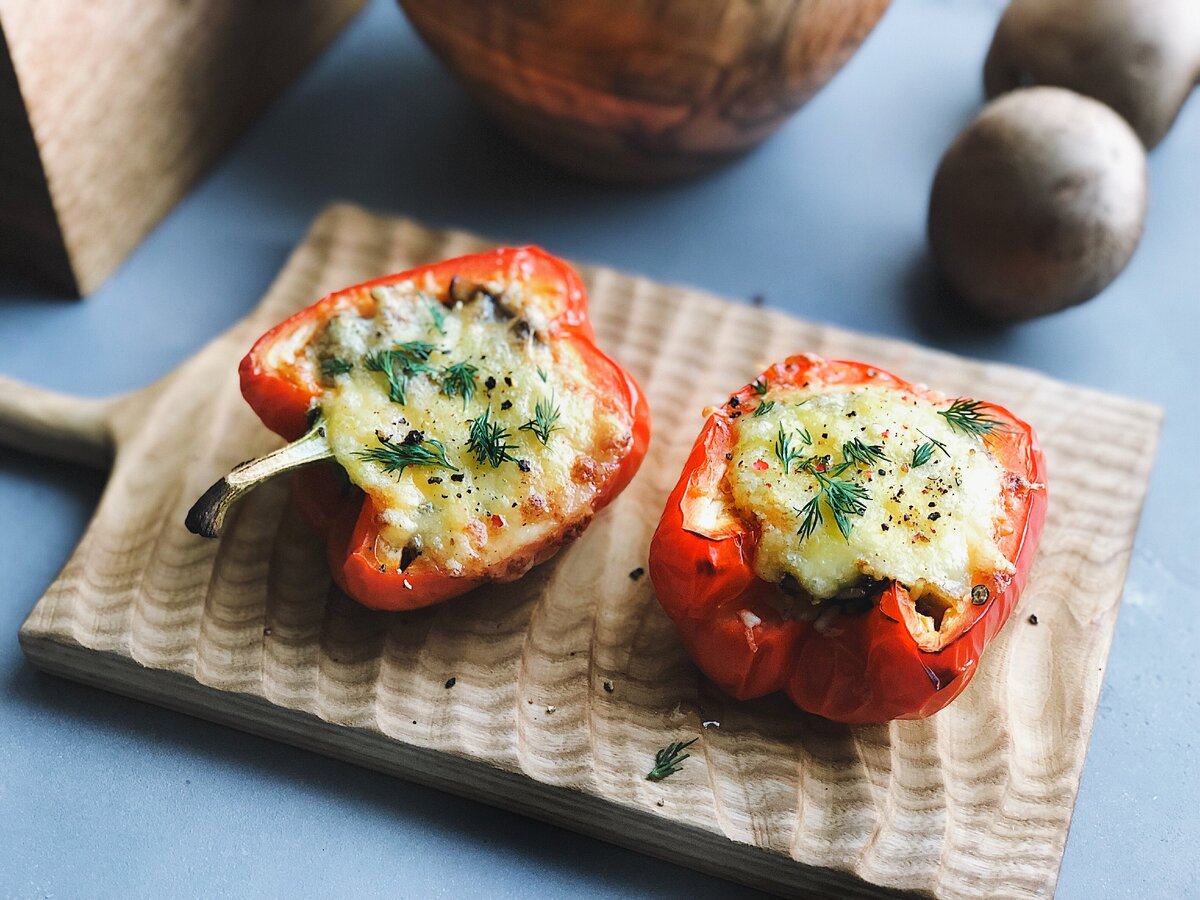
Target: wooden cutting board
(567, 682)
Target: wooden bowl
(635, 90)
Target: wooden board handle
(61, 426)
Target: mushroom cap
(1141, 57)
(1038, 204)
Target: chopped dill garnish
(763, 408)
(760, 386)
(396, 457)
(843, 497)
(970, 417)
(811, 517)
(669, 760)
(545, 414)
(864, 454)
(924, 453)
(335, 366)
(785, 452)
(415, 351)
(488, 441)
(399, 364)
(541, 373)
(458, 380)
(437, 312)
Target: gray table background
(103, 796)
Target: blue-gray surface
(102, 796)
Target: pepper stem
(207, 516)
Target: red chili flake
(498, 522)
(760, 465)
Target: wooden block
(111, 109)
(568, 681)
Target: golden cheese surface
(421, 378)
(919, 499)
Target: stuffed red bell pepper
(473, 425)
(850, 539)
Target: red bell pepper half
(870, 668)
(284, 391)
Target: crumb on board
(450, 682)
(608, 686)
(1032, 619)
(637, 573)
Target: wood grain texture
(568, 681)
(642, 90)
(127, 102)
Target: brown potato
(1038, 204)
(1141, 57)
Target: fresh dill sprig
(763, 408)
(415, 351)
(784, 451)
(924, 453)
(399, 364)
(810, 517)
(396, 457)
(970, 417)
(384, 361)
(843, 497)
(436, 312)
(864, 454)
(760, 386)
(545, 414)
(458, 380)
(669, 760)
(488, 441)
(541, 373)
(335, 366)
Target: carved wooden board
(111, 109)
(568, 681)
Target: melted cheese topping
(931, 527)
(471, 515)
